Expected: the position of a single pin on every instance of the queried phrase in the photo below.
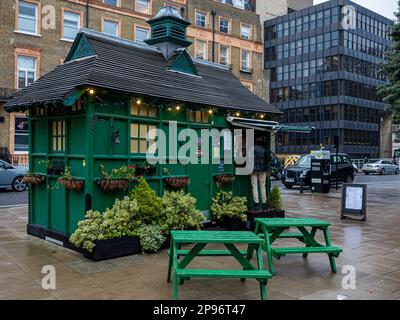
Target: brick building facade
(37, 34)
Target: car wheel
(382, 172)
(397, 171)
(18, 184)
(288, 186)
(349, 179)
(366, 173)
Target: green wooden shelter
(97, 107)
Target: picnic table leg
(313, 232)
(175, 266)
(262, 283)
(170, 260)
(250, 249)
(328, 244)
(268, 250)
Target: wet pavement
(372, 248)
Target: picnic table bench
(273, 229)
(179, 259)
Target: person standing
(259, 175)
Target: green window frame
(139, 143)
(58, 136)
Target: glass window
(111, 2)
(200, 19)
(27, 17)
(21, 134)
(58, 136)
(141, 34)
(245, 61)
(142, 6)
(111, 27)
(198, 116)
(224, 55)
(139, 108)
(26, 71)
(224, 25)
(139, 141)
(201, 49)
(245, 31)
(72, 24)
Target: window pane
(71, 24)
(245, 31)
(143, 131)
(142, 6)
(27, 17)
(224, 25)
(111, 2)
(224, 55)
(134, 130)
(134, 146)
(201, 48)
(142, 146)
(200, 19)
(110, 27)
(141, 34)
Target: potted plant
(151, 238)
(223, 179)
(69, 182)
(274, 210)
(175, 182)
(179, 213)
(34, 179)
(111, 234)
(117, 180)
(229, 210)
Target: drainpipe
(213, 13)
(87, 14)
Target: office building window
(72, 24)
(224, 25)
(141, 34)
(111, 27)
(245, 65)
(21, 134)
(142, 6)
(224, 55)
(201, 49)
(26, 69)
(200, 19)
(27, 17)
(245, 31)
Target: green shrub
(179, 212)
(150, 206)
(274, 199)
(225, 204)
(151, 238)
(119, 221)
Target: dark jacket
(261, 158)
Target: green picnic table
(179, 259)
(273, 229)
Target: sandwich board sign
(354, 202)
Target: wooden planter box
(176, 183)
(114, 248)
(72, 184)
(224, 179)
(34, 179)
(113, 185)
(269, 213)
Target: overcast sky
(383, 7)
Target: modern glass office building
(324, 66)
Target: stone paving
(373, 248)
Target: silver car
(12, 177)
(380, 166)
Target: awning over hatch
(264, 125)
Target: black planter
(167, 242)
(114, 248)
(233, 224)
(269, 213)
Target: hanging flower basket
(72, 184)
(176, 183)
(113, 185)
(224, 179)
(34, 179)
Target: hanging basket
(113, 185)
(176, 183)
(224, 179)
(72, 184)
(34, 179)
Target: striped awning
(264, 125)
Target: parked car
(292, 175)
(12, 177)
(381, 167)
(276, 167)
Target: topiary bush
(225, 204)
(179, 212)
(275, 199)
(150, 205)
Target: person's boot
(264, 207)
(256, 207)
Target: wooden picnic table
(273, 229)
(179, 259)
